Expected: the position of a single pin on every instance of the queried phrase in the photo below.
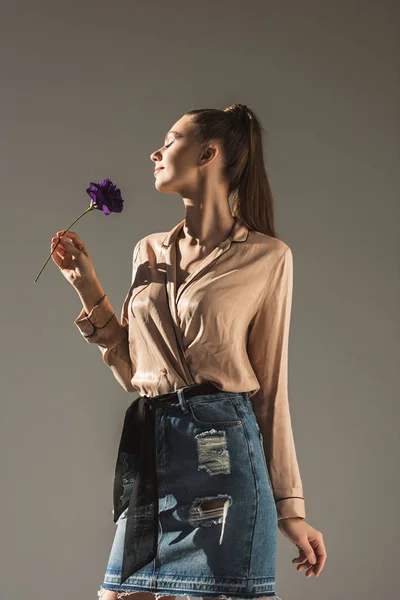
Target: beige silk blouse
(228, 324)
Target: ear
(208, 154)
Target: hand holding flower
(73, 260)
(72, 257)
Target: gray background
(88, 91)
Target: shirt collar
(239, 232)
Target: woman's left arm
(267, 349)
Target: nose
(155, 156)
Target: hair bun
(240, 111)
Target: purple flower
(104, 196)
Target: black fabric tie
(135, 480)
(135, 486)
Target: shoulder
(271, 263)
(148, 246)
(263, 245)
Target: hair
(240, 134)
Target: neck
(206, 227)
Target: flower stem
(91, 207)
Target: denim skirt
(217, 520)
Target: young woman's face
(179, 158)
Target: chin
(164, 187)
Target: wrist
(90, 295)
(291, 519)
(86, 286)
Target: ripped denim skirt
(216, 515)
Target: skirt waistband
(190, 391)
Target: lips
(158, 169)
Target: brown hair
(239, 132)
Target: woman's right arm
(99, 325)
(97, 320)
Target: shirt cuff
(290, 507)
(98, 318)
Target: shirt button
(164, 371)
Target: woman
(206, 470)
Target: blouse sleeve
(101, 327)
(268, 353)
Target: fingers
(311, 569)
(321, 557)
(72, 235)
(70, 247)
(306, 563)
(64, 230)
(76, 240)
(301, 556)
(58, 252)
(60, 244)
(57, 243)
(61, 256)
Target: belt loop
(182, 401)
